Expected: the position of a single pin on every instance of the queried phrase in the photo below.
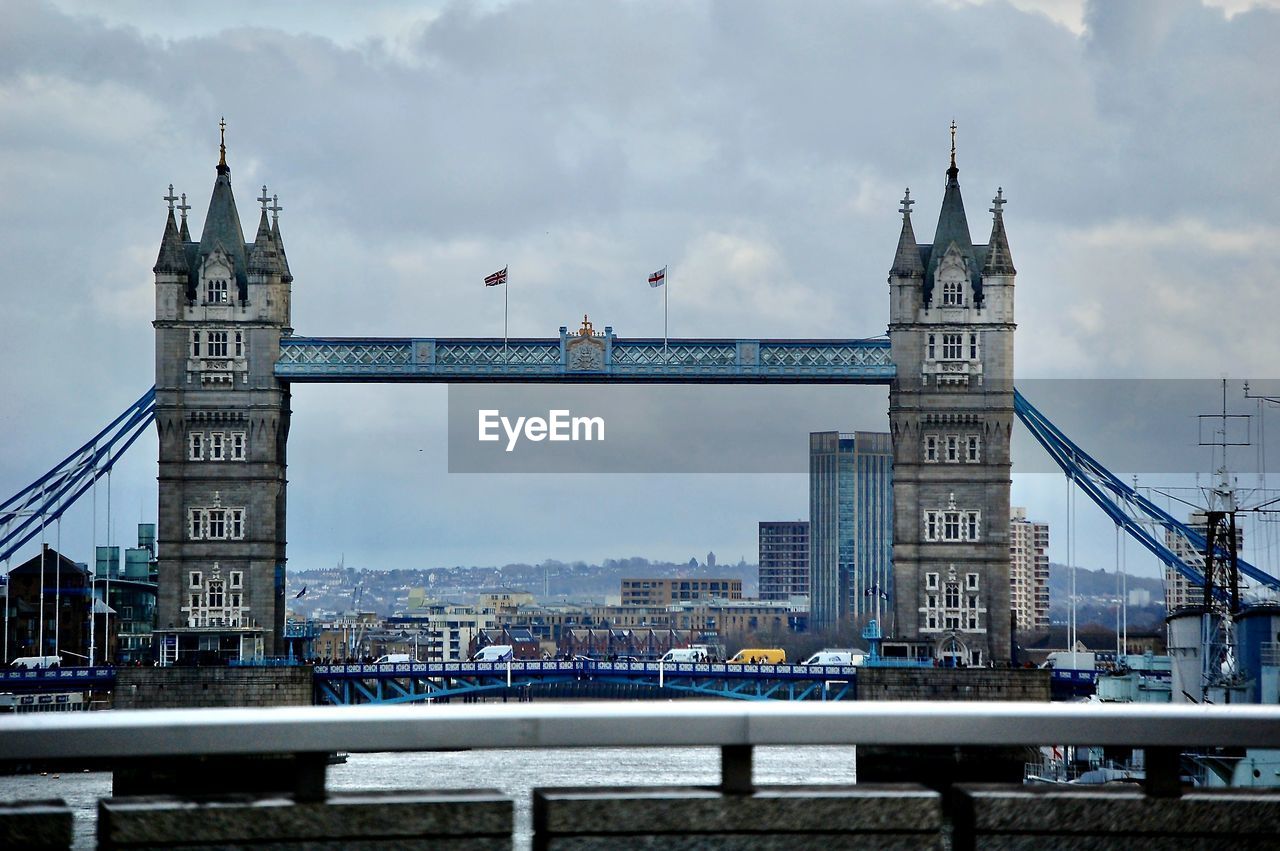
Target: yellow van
(759, 656)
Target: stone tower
(951, 330)
(222, 306)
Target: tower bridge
(227, 355)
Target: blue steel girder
(611, 359)
(1123, 504)
(421, 681)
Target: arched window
(952, 294)
(216, 291)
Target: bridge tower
(951, 327)
(222, 306)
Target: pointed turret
(182, 226)
(222, 223)
(172, 257)
(999, 260)
(907, 262)
(265, 257)
(275, 209)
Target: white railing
(321, 729)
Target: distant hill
(332, 590)
(1096, 590)
(1095, 583)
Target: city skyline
(1136, 209)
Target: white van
(835, 657)
(393, 659)
(684, 654)
(494, 653)
(34, 663)
(1066, 660)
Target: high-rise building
(850, 527)
(1028, 572)
(784, 559)
(1179, 593)
(951, 327)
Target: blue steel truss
(42, 502)
(609, 359)
(1134, 513)
(416, 682)
(58, 679)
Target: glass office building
(850, 527)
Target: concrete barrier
(35, 824)
(452, 820)
(1040, 817)
(785, 818)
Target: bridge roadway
(575, 358)
(424, 681)
(414, 682)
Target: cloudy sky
(759, 149)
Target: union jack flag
(497, 278)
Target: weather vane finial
(953, 143)
(222, 143)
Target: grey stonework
(215, 393)
(1040, 817)
(36, 824)
(967, 395)
(787, 818)
(174, 687)
(446, 819)
(1020, 684)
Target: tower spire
(183, 207)
(953, 171)
(223, 168)
(999, 260)
(906, 261)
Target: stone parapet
(35, 824)
(454, 820)
(787, 818)
(1039, 817)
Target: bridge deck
(577, 358)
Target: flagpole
(665, 285)
(506, 286)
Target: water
(515, 772)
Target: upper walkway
(584, 357)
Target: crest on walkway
(584, 351)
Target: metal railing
(203, 732)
